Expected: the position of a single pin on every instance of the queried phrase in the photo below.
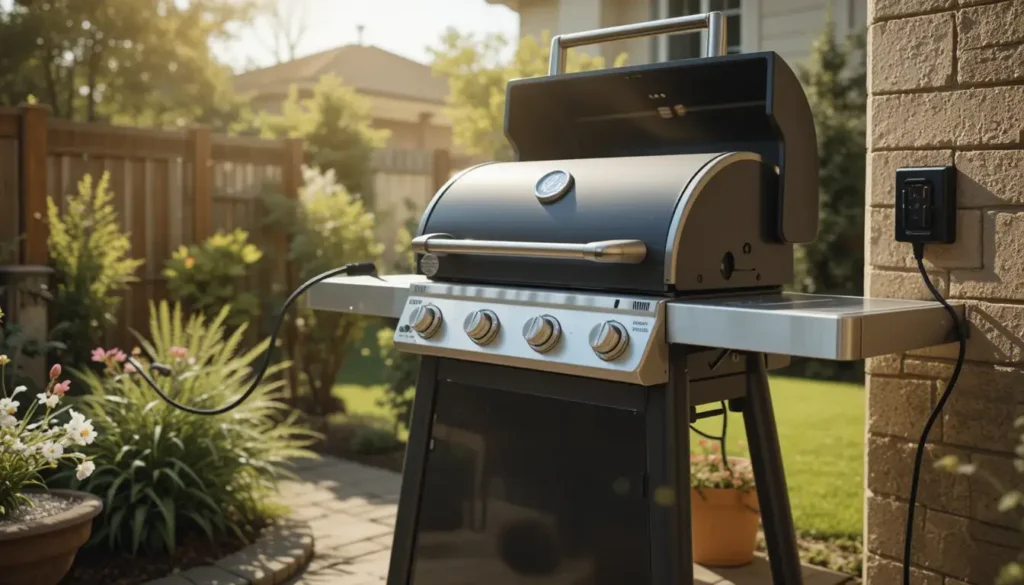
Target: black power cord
(354, 269)
(721, 439)
(915, 479)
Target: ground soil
(97, 566)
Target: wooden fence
(175, 188)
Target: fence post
(32, 162)
(442, 168)
(200, 145)
(291, 180)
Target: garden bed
(95, 566)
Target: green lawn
(821, 428)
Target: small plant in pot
(40, 530)
(725, 512)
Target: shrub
(208, 276)
(91, 256)
(374, 440)
(166, 472)
(328, 228)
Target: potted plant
(40, 530)
(725, 512)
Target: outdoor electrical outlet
(926, 205)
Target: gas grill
(574, 308)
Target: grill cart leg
(766, 457)
(668, 465)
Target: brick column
(947, 87)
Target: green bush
(208, 276)
(91, 256)
(163, 472)
(374, 440)
(328, 227)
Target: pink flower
(117, 355)
(715, 448)
(98, 355)
(55, 371)
(62, 388)
(178, 353)
(129, 369)
(703, 443)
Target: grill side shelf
(815, 326)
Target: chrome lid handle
(607, 251)
(714, 22)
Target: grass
(821, 428)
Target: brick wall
(947, 87)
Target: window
(688, 46)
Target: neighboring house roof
(368, 69)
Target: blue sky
(405, 27)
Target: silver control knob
(425, 320)
(542, 333)
(609, 340)
(481, 326)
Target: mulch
(97, 566)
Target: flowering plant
(710, 470)
(36, 441)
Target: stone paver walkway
(352, 508)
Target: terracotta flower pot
(40, 551)
(724, 526)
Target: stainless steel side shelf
(816, 326)
(801, 325)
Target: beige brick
(882, 170)
(986, 116)
(993, 24)
(880, 571)
(900, 407)
(1003, 273)
(885, 251)
(889, 469)
(990, 178)
(886, 521)
(982, 408)
(912, 53)
(887, 9)
(949, 548)
(990, 65)
(884, 364)
(997, 475)
(994, 335)
(891, 284)
(1010, 537)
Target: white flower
(80, 430)
(19, 390)
(7, 420)
(18, 446)
(8, 406)
(48, 401)
(51, 450)
(84, 470)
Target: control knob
(481, 326)
(542, 333)
(425, 320)
(609, 340)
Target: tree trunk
(93, 65)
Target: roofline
(512, 4)
(284, 92)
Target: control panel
(611, 337)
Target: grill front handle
(606, 251)
(714, 22)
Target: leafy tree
(477, 74)
(140, 61)
(91, 256)
(334, 124)
(836, 87)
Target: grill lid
(653, 224)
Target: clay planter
(725, 525)
(40, 551)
